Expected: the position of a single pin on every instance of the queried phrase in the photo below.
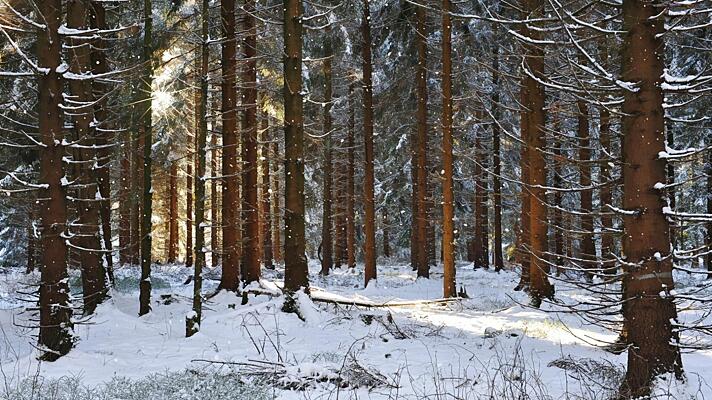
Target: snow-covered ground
(488, 346)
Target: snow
(472, 347)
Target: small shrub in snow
(207, 384)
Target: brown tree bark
(267, 254)
(650, 310)
(496, 162)
(147, 122)
(327, 261)
(250, 268)
(295, 260)
(173, 213)
(540, 287)
(55, 310)
(370, 271)
(350, 182)
(230, 189)
(420, 216)
(87, 207)
(448, 246)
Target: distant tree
(420, 189)
(266, 195)
(327, 245)
(368, 183)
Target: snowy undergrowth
(486, 347)
(206, 384)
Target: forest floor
(488, 346)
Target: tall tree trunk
(523, 247)
(189, 162)
(250, 206)
(267, 253)
(675, 226)
(708, 257)
(650, 309)
(55, 310)
(88, 222)
(481, 242)
(136, 183)
(31, 239)
(173, 213)
(605, 135)
(420, 213)
(146, 211)
(448, 246)
(295, 261)
(192, 321)
(588, 246)
(125, 199)
(339, 208)
(214, 216)
(432, 212)
(368, 180)
(350, 182)
(104, 136)
(534, 60)
(496, 162)
(230, 193)
(556, 214)
(386, 234)
(277, 234)
(327, 246)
